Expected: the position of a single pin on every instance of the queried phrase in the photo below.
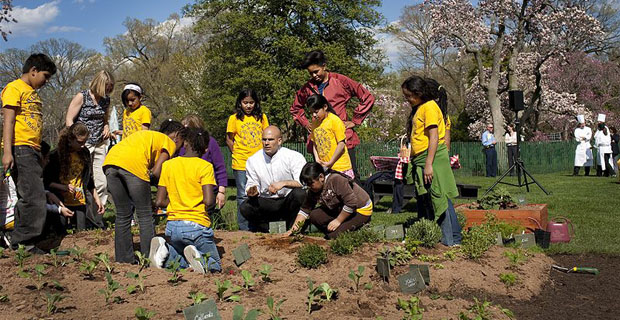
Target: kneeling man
(273, 188)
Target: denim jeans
(450, 227)
(129, 191)
(30, 210)
(241, 180)
(185, 233)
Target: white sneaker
(192, 256)
(158, 253)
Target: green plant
(498, 198)
(143, 261)
(139, 277)
(239, 313)
(2, 255)
(248, 281)
(51, 300)
(426, 231)
(313, 293)
(39, 273)
(347, 242)
(55, 260)
(386, 253)
(479, 309)
(476, 241)
(412, 308)
(311, 256)
(175, 270)
(368, 286)
(428, 258)
(21, 255)
(516, 257)
(412, 245)
(462, 219)
(144, 314)
(451, 254)
(204, 260)
(509, 279)
(297, 235)
(356, 276)
(88, 268)
(197, 297)
(105, 259)
(328, 291)
(438, 266)
(401, 255)
(222, 287)
(274, 308)
(4, 298)
(265, 270)
(111, 287)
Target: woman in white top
(511, 145)
(602, 142)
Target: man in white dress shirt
(583, 152)
(273, 188)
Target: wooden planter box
(519, 216)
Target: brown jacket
(338, 191)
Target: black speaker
(516, 100)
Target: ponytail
(317, 101)
(427, 89)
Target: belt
(489, 147)
(511, 145)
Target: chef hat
(581, 118)
(601, 117)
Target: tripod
(519, 167)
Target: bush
(311, 256)
(460, 216)
(425, 231)
(499, 198)
(348, 241)
(477, 240)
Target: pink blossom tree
(6, 6)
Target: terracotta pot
(519, 216)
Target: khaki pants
(97, 155)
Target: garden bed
(521, 216)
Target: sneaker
(159, 252)
(192, 256)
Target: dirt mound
(453, 286)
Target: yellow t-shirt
(139, 152)
(74, 177)
(248, 138)
(133, 120)
(448, 123)
(183, 178)
(326, 136)
(28, 115)
(428, 114)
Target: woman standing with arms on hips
(91, 107)
(511, 144)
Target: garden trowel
(587, 270)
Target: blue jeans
(185, 233)
(450, 227)
(240, 181)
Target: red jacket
(339, 90)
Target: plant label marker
(394, 232)
(411, 282)
(203, 311)
(499, 241)
(241, 254)
(379, 230)
(383, 268)
(277, 227)
(424, 271)
(526, 240)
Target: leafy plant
(204, 260)
(412, 308)
(509, 279)
(105, 259)
(386, 253)
(479, 309)
(438, 266)
(239, 313)
(21, 255)
(347, 242)
(4, 298)
(55, 260)
(39, 273)
(248, 281)
(328, 291)
(516, 257)
(144, 314)
(111, 287)
(428, 258)
(498, 198)
(297, 235)
(2, 255)
(139, 277)
(175, 270)
(274, 308)
(476, 241)
(265, 270)
(313, 293)
(143, 260)
(311, 256)
(401, 255)
(51, 300)
(462, 219)
(222, 287)
(426, 231)
(356, 276)
(88, 268)
(412, 245)
(451, 254)
(77, 253)
(197, 297)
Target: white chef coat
(583, 152)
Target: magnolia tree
(6, 17)
(510, 42)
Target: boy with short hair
(21, 136)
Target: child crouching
(186, 189)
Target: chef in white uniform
(583, 152)
(602, 142)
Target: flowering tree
(510, 42)
(6, 17)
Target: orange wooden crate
(520, 216)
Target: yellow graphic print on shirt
(247, 139)
(74, 178)
(28, 114)
(326, 136)
(133, 120)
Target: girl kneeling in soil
(129, 167)
(186, 189)
(343, 204)
(69, 175)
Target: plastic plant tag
(241, 254)
(383, 268)
(499, 241)
(411, 282)
(203, 311)
(379, 230)
(526, 240)
(424, 271)
(277, 227)
(396, 232)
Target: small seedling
(368, 286)
(99, 236)
(265, 271)
(77, 253)
(39, 272)
(56, 285)
(221, 289)
(479, 309)
(401, 255)
(55, 260)
(175, 270)
(197, 297)
(274, 309)
(428, 258)
(103, 258)
(328, 291)
(313, 293)
(239, 313)
(248, 281)
(144, 314)
(21, 255)
(438, 266)
(88, 268)
(143, 261)
(509, 279)
(297, 235)
(412, 308)
(111, 287)
(516, 257)
(412, 245)
(386, 253)
(204, 259)
(451, 254)
(4, 298)
(140, 282)
(356, 276)
(51, 300)
(2, 256)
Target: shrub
(425, 231)
(499, 198)
(476, 241)
(311, 256)
(460, 216)
(348, 241)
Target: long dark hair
(197, 138)
(257, 112)
(310, 172)
(125, 93)
(317, 101)
(426, 89)
(65, 137)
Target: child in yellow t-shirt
(244, 137)
(129, 167)
(328, 135)
(69, 174)
(136, 116)
(21, 137)
(186, 190)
